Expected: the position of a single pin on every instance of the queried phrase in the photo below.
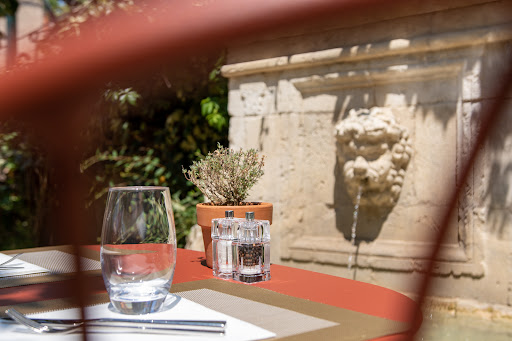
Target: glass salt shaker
(252, 250)
(223, 231)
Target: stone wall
(433, 69)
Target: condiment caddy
(241, 248)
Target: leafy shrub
(225, 176)
(142, 132)
(145, 139)
(23, 191)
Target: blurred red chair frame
(46, 95)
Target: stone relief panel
(404, 176)
(427, 90)
(373, 151)
(418, 93)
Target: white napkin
(175, 307)
(28, 268)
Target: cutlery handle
(213, 326)
(118, 328)
(166, 322)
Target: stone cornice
(422, 44)
(366, 78)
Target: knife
(180, 326)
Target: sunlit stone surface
(311, 100)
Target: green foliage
(148, 128)
(214, 108)
(23, 179)
(147, 133)
(69, 16)
(225, 176)
(56, 7)
(10, 164)
(184, 207)
(125, 97)
(142, 132)
(8, 7)
(210, 109)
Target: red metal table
(329, 290)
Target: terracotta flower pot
(205, 214)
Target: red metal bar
(177, 29)
(46, 93)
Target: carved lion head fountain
(373, 151)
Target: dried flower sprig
(225, 176)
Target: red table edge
(314, 286)
(327, 289)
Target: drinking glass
(138, 248)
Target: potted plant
(225, 177)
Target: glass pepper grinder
(223, 231)
(252, 250)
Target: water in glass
(138, 248)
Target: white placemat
(59, 262)
(281, 321)
(176, 307)
(42, 263)
(26, 267)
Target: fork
(10, 260)
(38, 327)
(209, 328)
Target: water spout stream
(354, 226)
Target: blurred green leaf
(8, 7)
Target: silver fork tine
(10, 260)
(37, 327)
